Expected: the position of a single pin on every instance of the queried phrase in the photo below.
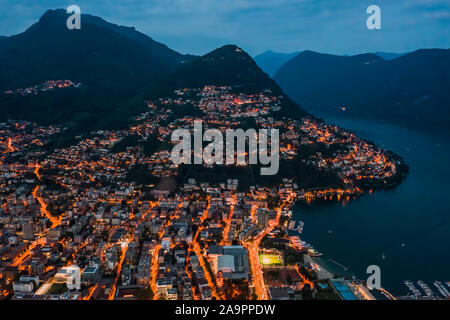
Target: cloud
(197, 26)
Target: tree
(307, 292)
(145, 294)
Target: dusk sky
(199, 26)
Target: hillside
(112, 63)
(225, 66)
(100, 51)
(228, 65)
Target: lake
(409, 225)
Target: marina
(426, 292)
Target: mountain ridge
(112, 69)
(92, 43)
(226, 65)
(410, 90)
(129, 32)
(270, 61)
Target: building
(240, 268)
(225, 263)
(91, 274)
(70, 275)
(23, 286)
(279, 293)
(163, 285)
(28, 231)
(262, 218)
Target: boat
(313, 252)
(425, 288)
(412, 288)
(300, 226)
(330, 231)
(291, 225)
(442, 290)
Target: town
(46, 86)
(111, 217)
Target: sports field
(270, 259)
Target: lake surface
(410, 224)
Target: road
(252, 247)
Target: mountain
(270, 61)
(113, 63)
(411, 90)
(158, 49)
(228, 65)
(225, 66)
(389, 55)
(3, 41)
(100, 51)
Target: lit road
(124, 247)
(36, 171)
(305, 280)
(253, 248)
(40, 241)
(255, 266)
(9, 146)
(54, 220)
(154, 264)
(18, 260)
(197, 251)
(226, 229)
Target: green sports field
(270, 259)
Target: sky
(199, 26)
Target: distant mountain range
(411, 90)
(270, 61)
(389, 55)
